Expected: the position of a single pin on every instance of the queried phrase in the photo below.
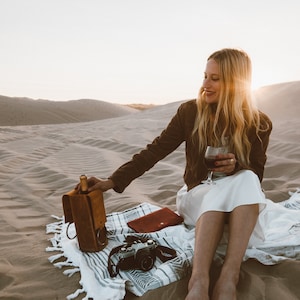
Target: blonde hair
(235, 113)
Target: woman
(223, 112)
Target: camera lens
(145, 260)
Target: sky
(139, 51)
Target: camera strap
(113, 269)
(162, 252)
(165, 253)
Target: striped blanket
(95, 279)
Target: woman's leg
(242, 221)
(209, 230)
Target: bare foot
(198, 290)
(225, 288)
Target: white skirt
(229, 192)
(276, 234)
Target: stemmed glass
(210, 159)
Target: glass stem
(209, 177)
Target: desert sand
(43, 158)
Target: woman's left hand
(225, 163)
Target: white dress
(276, 235)
(225, 195)
(229, 192)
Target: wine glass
(210, 159)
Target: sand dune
(24, 111)
(280, 100)
(39, 163)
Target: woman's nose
(206, 83)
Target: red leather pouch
(155, 221)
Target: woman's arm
(260, 144)
(167, 142)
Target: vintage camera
(138, 255)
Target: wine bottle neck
(83, 184)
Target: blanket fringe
(54, 248)
(54, 227)
(55, 257)
(76, 294)
(71, 272)
(63, 264)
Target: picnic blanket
(280, 221)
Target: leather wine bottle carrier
(87, 212)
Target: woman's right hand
(98, 184)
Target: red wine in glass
(210, 159)
(210, 162)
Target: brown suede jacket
(179, 130)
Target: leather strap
(67, 232)
(165, 253)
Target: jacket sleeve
(260, 144)
(167, 142)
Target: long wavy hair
(230, 119)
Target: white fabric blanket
(281, 232)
